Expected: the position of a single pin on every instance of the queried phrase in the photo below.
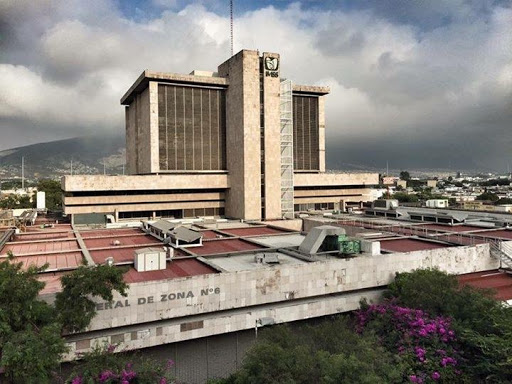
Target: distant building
(242, 143)
(401, 183)
(432, 183)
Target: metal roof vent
(267, 258)
(109, 261)
(116, 243)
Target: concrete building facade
(241, 142)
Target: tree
(404, 175)
(30, 329)
(74, 305)
(488, 196)
(504, 200)
(483, 325)
(53, 193)
(330, 352)
(404, 197)
(15, 201)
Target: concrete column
(243, 199)
(153, 127)
(321, 133)
(272, 139)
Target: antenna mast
(231, 24)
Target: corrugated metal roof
(215, 247)
(501, 282)
(185, 234)
(254, 231)
(409, 245)
(163, 225)
(175, 268)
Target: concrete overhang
(91, 183)
(334, 179)
(172, 78)
(310, 90)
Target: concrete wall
(281, 292)
(334, 179)
(91, 183)
(243, 135)
(272, 143)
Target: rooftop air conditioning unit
(116, 242)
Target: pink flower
(163, 380)
(436, 375)
(77, 380)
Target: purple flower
(163, 380)
(111, 348)
(105, 376)
(436, 375)
(170, 363)
(413, 378)
(77, 380)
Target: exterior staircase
(502, 251)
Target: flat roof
(108, 242)
(41, 247)
(452, 228)
(68, 260)
(254, 231)
(173, 78)
(500, 282)
(246, 261)
(215, 247)
(174, 269)
(409, 245)
(280, 241)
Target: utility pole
(123, 168)
(104, 168)
(387, 168)
(23, 172)
(231, 24)
(71, 167)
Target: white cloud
(67, 64)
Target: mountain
(53, 159)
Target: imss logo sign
(271, 66)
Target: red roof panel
(214, 247)
(42, 247)
(175, 268)
(451, 228)
(109, 232)
(55, 261)
(253, 231)
(126, 240)
(409, 245)
(500, 282)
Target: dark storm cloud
(422, 83)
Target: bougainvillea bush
(102, 365)
(427, 345)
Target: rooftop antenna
(231, 24)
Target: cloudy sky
(420, 84)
